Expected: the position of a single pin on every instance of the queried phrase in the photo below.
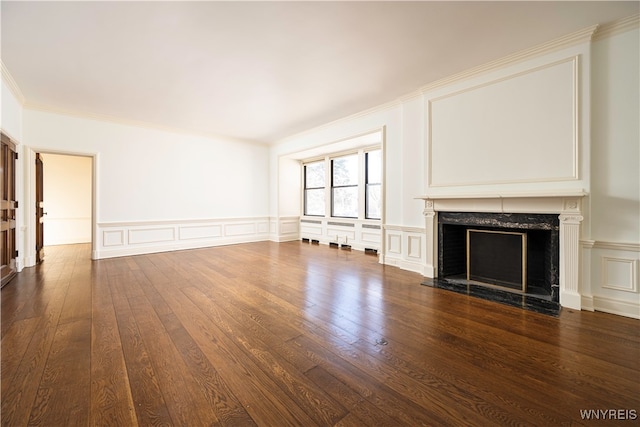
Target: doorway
(64, 200)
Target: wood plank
(111, 399)
(63, 397)
(19, 388)
(309, 397)
(186, 401)
(259, 394)
(151, 408)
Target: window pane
(374, 167)
(314, 202)
(345, 202)
(314, 175)
(345, 170)
(374, 201)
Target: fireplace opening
(497, 257)
(518, 252)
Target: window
(344, 186)
(373, 184)
(314, 178)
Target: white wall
(67, 199)
(612, 251)
(158, 190)
(11, 116)
(616, 138)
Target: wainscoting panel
(613, 286)
(288, 229)
(263, 227)
(151, 235)
(240, 229)
(113, 238)
(135, 238)
(357, 234)
(619, 274)
(405, 248)
(341, 235)
(414, 247)
(371, 238)
(199, 231)
(288, 226)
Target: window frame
(361, 185)
(356, 185)
(368, 184)
(306, 188)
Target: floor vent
(370, 251)
(334, 244)
(305, 240)
(315, 242)
(345, 247)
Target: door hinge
(17, 253)
(16, 204)
(16, 156)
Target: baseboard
(283, 239)
(621, 308)
(570, 300)
(403, 264)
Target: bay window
(344, 186)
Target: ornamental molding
(582, 36)
(616, 27)
(11, 83)
(571, 219)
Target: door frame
(30, 204)
(12, 206)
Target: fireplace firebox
(508, 250)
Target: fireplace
(512, 251)
(552, 223)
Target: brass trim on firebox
(524, 252)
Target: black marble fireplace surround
(542, 263)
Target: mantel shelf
(518, 195)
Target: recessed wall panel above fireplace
(528, 134)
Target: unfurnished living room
(331, 213)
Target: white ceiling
(262, 71)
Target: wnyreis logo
(608, 414)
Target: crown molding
(582, 36)
(616, 27)
(134, 123)
(378, 108)
(11, 83)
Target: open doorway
(64, 201)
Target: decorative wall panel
(507, 143)
(620, 274)
(133, 238)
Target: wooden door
(8, 209)
(39, 209)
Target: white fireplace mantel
(567, 204)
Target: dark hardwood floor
(294, 334)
